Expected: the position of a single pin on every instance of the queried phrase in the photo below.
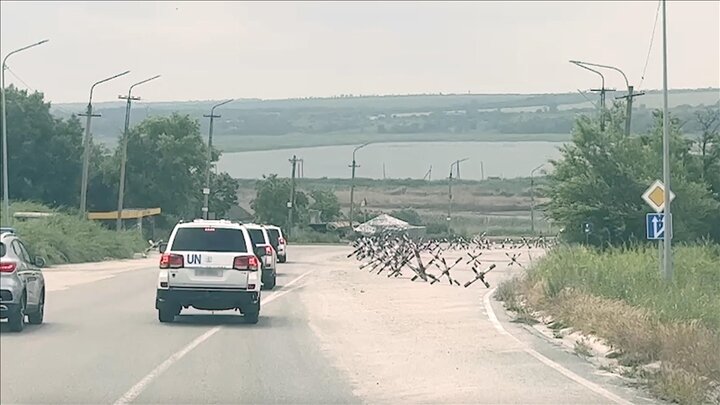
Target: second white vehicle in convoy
(260, 239)
(210, 265)
(278, 241)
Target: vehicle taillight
(281, 241)
(7, 267)
(268, 250)
(246, 263)
(171, 261)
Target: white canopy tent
(385, 223)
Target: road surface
(329, 333)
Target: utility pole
(667, 240)
(631, 94)
(206, 190)
(428, 174)
(87, 144)
(301, 168)
(352, 183)
(532, 198)
(384, 177)
(449, 217)
(628, 108)
(482, 170)
(123, 161)
(291, 203)
(6, 187)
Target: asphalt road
(102, 344)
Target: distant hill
(427, 114)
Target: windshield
(274, 235)
(257, 236)
(209, 240)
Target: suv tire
(16, 319)
(252, 313)
(271, 282)
(37, 317)
(166, 314)
(282, 259)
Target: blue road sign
(655, 226)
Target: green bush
(65, 238)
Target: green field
(497, 207)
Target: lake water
(401, 160)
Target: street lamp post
(123, 161)
(86, 147)
(602, 92)
(449, 217)
(629, 96)
(206, 191)
(352, 182)
(532, 198)
(6, 187)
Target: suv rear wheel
(37, 317)
(167, 314)
(252, 313)
(16, 318)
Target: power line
(21, 80)
(32, 89)
(652, 39)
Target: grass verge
(65, 238)
(667, 333)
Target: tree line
(601, 176)
(166, 163)
(523, 115)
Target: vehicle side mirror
(162, 247)
(39, 262)
(260, 252)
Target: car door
(36, 280)
(26, 272)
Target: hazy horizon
(294, 50)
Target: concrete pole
(667, 241)
(5, 176)
(206, 191)
(87, 144)
(123, 159)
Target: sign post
(655, 227)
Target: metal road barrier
(392, 254)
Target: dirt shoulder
(409, 342)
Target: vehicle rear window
(3, 249)
(257, 236)
(206, 240)
(274, 235)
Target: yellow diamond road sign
(655, 196)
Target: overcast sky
(215, 50)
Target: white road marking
(555, 366)
(138, 388)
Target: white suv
(209, 265)
(278, 241)
(261, 240)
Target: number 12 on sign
(655, 226)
